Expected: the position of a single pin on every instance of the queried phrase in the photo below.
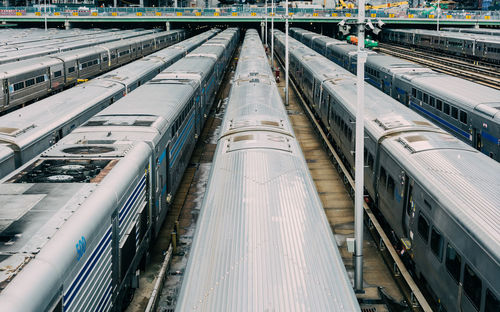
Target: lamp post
(286, 53)
(45, 13)
(272, 34)
(359, 154)
(438, 10)
(265, 29)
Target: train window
(437, 244)
(390, 186)
(105, 59)
(432, 101)
(419, 94)
(84, 65)
(426, 98)
(383, 177)
(370, 161)
(472, 286)
(40, 79)
(113, 56)
(492, 304)
(414, 92)
(94, 62)
(446, 109)
(463, 117)
(30, 82)
(18, 86)
(439, 105)
(423, 228)
(71, 69)
(453, 262)
(58, 73)
(454, 112)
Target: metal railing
(252, 12)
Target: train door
(5, 92)
(478, 144)
(409, 206)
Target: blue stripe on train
(463, 133)
(87, 268)
(131, 200)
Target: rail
(415, 298)
(256, 12)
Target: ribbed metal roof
(262, 242)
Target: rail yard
(177, 169)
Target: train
(28, 131)
(438, 195)
(78, 219)
(469, 111)
(31, 79)
(15, 52)
(481, 31)
(262, 240)
(480, 47)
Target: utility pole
(272, 34)
(286, 53)
(266, 24)
(45, 13)
(438, 12)
(359, 152)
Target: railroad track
(486, 75)
(414, 298)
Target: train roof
(264, 223)
(391, 63)
(465, 182)
(486, 100)
(447, 34)
(26, 125)
(39, 210)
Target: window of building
(472, 286)
(437, 243)
(453, 262)
(423, 228)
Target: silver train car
(20, 52)
(262, 242)
(30, 130)
(469, 111)
(481, 31)
(474, 46)
(439, 195)
(78, 220)
(28, 80)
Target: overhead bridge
(97, 16)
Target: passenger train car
(29, 131)
(18, 52)
(262, 241)
(28, 80)
(78, 219)
(439, 195)
(475, 46)
(469, 111)
(481, 31)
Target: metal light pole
(45, 13)
(272, 34)
(438, 10)
(286, 53)
(359, 161)
(266, 25)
